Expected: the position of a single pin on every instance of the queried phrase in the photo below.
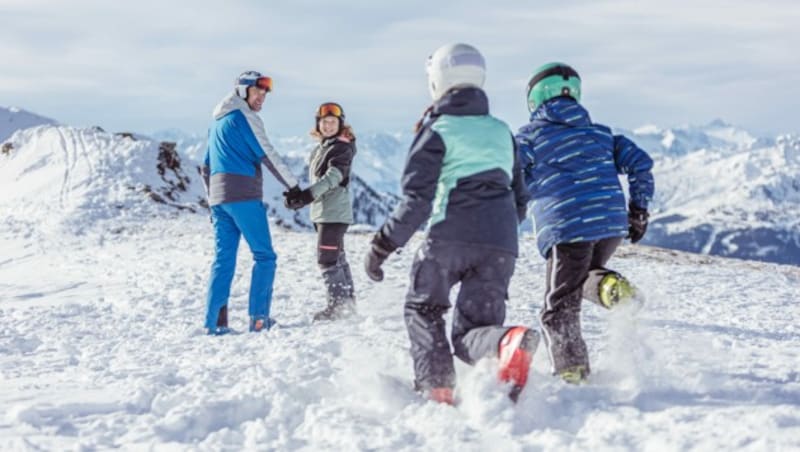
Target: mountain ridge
(719, 188)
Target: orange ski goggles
(264, 83)
(330, 109)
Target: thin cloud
(161, 64)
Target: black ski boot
(336, 311)
(341, 299)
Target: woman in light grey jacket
(331, 206)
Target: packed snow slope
(101, 346)
(105, 257)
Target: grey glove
(381, 249)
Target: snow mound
(123, 362)
(64, 177)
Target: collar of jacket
(562, 110)
(331, 140)
(467, 101)
(230, 103)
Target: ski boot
(336, 311)
(222, 323)
(261, 323)
(516, 352)
(218, 331)
(574, 374)
(440, 395)
(616, 290)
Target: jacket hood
(230, 103)
(562, 110)
(465, 101)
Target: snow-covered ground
(101, 346)
(105, 250)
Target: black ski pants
(574, 271)
(333, 262)
(480, 307)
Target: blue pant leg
(226, 244)
(251, 218)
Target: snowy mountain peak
(647, 129)
(717, 123)
(15, 118)
(717, 136)
(71, 178)
(66, 179)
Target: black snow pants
(480, 307)
(333, 263)
(574, 271)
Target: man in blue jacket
(571, 168)
(237, 147)
(463, 173)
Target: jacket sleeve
(633, 161)
(420, 177)
(521, 195)
(256, 138)
(526, 162)
(339, 158)
(205, 171)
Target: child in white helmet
(463, 174)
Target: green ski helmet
(553, 80)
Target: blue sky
(150, 65)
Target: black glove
(296, 198)
(637, 223)
(380, 250)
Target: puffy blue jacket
(571, 169)
(237, 147)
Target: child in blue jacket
(571, 167)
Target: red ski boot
(516, 352)
(441, 395)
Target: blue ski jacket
(571, 169)
(237, 147)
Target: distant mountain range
(719, 189)
(13, 119)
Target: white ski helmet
(251, 78)
(455, 65)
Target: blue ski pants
(232, 220)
